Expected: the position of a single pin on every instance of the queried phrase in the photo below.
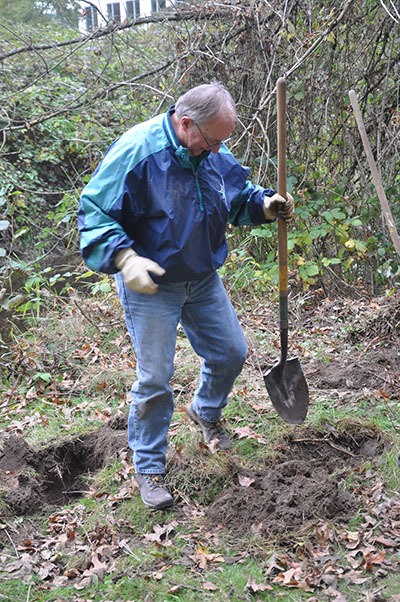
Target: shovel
(285, 382)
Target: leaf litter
(297, 504)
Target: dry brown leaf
(85, 582)
(245, 481)
(157, 576)
(213, 446)
(69, 535)
(245, 432)
(355, 558)
(388, 543)
(174, 589)
(160, 535)
(71, 573)
(356, 577)
(99, 566)
(294, 577)
(210, 586)
(255, 587)
(202, 557)
(47, 569)
(373, 558)
(273, 563)
(354, 539)
(257, 527)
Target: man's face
(207, 136)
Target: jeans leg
(213, 329)
(152, 322)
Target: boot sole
(162, 506)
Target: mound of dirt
(34, 478)
(349, 374)
(304, 483)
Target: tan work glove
(278, 206)
(135, 271)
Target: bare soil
(32, 479)
(303, 483)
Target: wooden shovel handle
(282, 226)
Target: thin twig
(12, 543)
(84, 314)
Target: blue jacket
(148, 194)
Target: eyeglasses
(209, 144)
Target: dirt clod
(304, 483)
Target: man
(155, 213)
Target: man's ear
(185, 122)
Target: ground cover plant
(308, 512)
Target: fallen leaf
(174, 589)
(388, 543)
(157, 576)
(72, 573)
(245, 481)
(246, 432)
(213, 446)
(202, 557)
(210, 586)
(355, 577)
(99, 566)
(273, 564)
(373, 558)
(354, 538)
(160, 535)
(353, 560)
(257, 527)
(257, 587)
(294, 577)
(46, 570)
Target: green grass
(389, 469)
(46, 422)
(175, 584)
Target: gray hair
(205, 102)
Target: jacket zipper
(199, 193)
(198, 189)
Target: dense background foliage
(65, 97)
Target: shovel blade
(288, 390)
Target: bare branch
(112, 28)
(395, 15)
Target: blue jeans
(211, 325)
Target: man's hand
(278, 206)
(135, 271)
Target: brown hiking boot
(153, 491)
(212, 431)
